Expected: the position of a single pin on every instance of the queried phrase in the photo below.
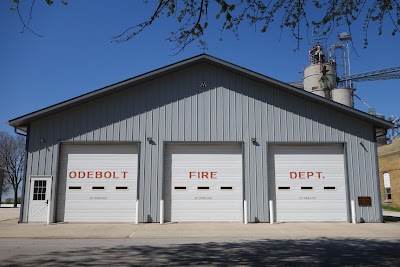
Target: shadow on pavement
(391, 219)
(275, 252)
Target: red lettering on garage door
(98, 174)
(203, 175)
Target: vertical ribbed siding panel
(296, 122)
(42, 148)
(147, 178)
(187, 107)
(97, 120)
(174, 117)
(332, 121)
(375, 214)
(308, 122)
(259, 200)
(54, 164)
(360, 167)
(377, 200)
(369, 171)
(136, 107)
(225, 107)
(129, 116)
(270, 115)
(102, 120)
(194, 104)
(276, 116)
(203, 112)
(328, 135)
(315, 124)
(247, 149)
(181, 107)
(123, 118)
(73, 124)
(289, 125)
(213, 106)
(239, 108)
(50, 143)
(116, 119)
(153, 178)
(252, 164)
(143, 154)
(219, 107)
(161, 133)
(362, 190)
(354, 173)
(232, 108)
(29, 165)
(264, 153)
(111, 106)
(302, 105)
(209, 116)
(80, 125)
(90, 120)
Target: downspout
(16, 131)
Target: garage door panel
(205, 204)
(211, 216)
(89, 176)
(218, 169)
(101, 205)
(308, 182)
(215, 196)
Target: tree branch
(25, 26)
(119, 38)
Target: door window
(39, 190)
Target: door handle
(47, 202)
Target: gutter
(16, 131)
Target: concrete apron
(11, 229)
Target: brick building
(389, 173)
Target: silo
(343, 96)
(320, 79)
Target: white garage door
(309, 182)
(203, 183)
(97, 183)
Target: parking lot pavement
(8, 213)
(11, 229)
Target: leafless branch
(141, 26)
(26, 25)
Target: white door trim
(49, 179)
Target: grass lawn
(388, 208)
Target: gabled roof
(23, 121)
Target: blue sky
(75, 55)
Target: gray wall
(231, 108)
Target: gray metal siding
(231, 108)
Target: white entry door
(39, 199)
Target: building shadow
(391, 219)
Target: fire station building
(200, 140)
